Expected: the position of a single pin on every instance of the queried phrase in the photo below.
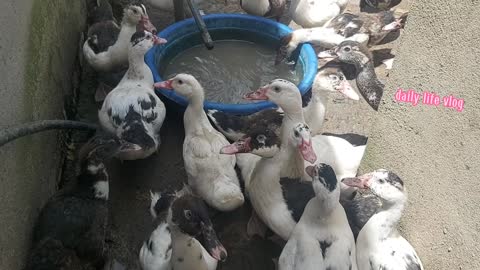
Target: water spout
(207, 39)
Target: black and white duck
(265, 8)
(365, 28)
(156, 253)
(211, 175)
(376, 26)
(328, 80)
(379, 244)
(194, 244)
(132, 111)
(356, 54)
(107, 45)
(322, 238)
(70, 231)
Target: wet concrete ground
(131, 181)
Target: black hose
(9, 134)
(207, 39)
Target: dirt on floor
(131, 181)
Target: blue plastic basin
(184, 35)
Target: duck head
(302, 139)
(283, 93)
(136, 15)
(261, 142)
(142, 41)
(324, 178)
(100, 148)
(189, 213)
(184, 84)
(384, 184)
(350, 52)
(332, 79)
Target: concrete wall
(436, 149)
(38, 48)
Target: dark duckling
(356, 54)
(70, 231)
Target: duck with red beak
(379, 244)
(211, 175)
(132, 111)
(194, 242)
(106, 48)
(354, 53)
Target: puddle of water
(231, 69)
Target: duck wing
(346, 24)
(352, 138)
(103, 35)
(235, 127)
(297, 194)
(359, 210)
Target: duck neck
(322, 205)
(384, 223)
(93, 180)
(368, 84)
(292, 116)
(294, 163)
(195, 118)
(138, 70)
(315, 111)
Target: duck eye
(149, 37)
(334, 77)
(296, 133)
(341, 78)
(187, 214)
(276, 89)
(381, 181)
(261, 138)
(135, 11)
(347, 49)
(180, 82)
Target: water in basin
(231, 69)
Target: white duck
(315, 13)
(328, 80)
(265, 8)
(132, 110)
(107, 45)
(211, 175)
(194, 243)
(275, 188)
(322, 239)
(379, 244)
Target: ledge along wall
(38, 52)
(435, 150)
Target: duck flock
(302, 184)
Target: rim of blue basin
(261, 26)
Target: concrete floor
(131, 181)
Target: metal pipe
(207, 39)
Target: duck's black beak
(211, 243)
